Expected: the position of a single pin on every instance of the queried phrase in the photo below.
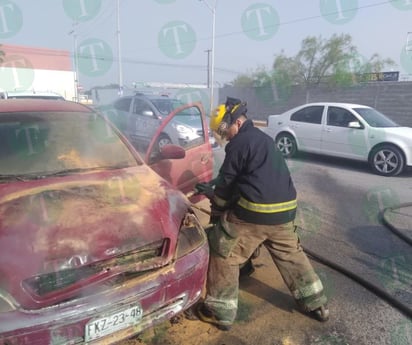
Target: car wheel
(387, 160)
(286, 144)
(163, 140)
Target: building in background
(37, 70)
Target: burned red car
(95, 246)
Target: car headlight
(191, 235)
(182, 129)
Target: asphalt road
(339, 204)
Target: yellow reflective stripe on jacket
(268, 208)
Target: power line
(293, 21)
(63, 53)
(106, 9)
(106, 13)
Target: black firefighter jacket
(254, 179)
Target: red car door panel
(197, 165)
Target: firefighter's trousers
(282, 242)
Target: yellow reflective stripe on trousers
(308, 290)
(268, 208)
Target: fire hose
(378, 291)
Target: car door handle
(328, 129)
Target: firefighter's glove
(205, 189)
(215, 213)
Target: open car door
(191, 127)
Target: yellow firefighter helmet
(227, 112)
(217, 117)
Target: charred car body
(94, 244)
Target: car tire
(387, 160)
(162, 141)
(286, 144)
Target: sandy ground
(265, 316)
(266, 313)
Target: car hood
(402, 133)
(78, 230)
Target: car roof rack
(151, 93)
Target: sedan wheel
(286, 144)
(163, 140)
(387, 161)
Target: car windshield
(34, 144)
(374, 118)
(166, 105)
(190, 117)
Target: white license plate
(103, 326)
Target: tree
(357, 69)
(243, 80)
(334, 61)
(259, 77)
(317, 60)
(377, 64)
(262, 82)
(283, 75)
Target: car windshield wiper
(10, 177)
(65, 172)
(44, 174)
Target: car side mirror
(147, 113)
(170, 151)
(354, 124)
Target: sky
(167, 41)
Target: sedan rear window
(46, 143)
(311, 114)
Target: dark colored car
(94, 244)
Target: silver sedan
(344, 130)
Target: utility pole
(208, 67)
(119, 56)
(213, 56)
(75, 62)
(212, 83)
(408, 46)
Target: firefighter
(253, 203)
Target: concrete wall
(394, 99)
